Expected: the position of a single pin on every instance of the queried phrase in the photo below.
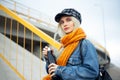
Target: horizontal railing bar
(31, 27)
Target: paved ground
(114, 72)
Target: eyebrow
(66, 18)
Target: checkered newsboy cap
(68, 12)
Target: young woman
(70, 64)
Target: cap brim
(59, 16)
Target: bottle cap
(49, 49)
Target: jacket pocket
(74, 61)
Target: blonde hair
(61, 33)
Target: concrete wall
(33, 67)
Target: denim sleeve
(86, 71)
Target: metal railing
(27, 12)
(30, 14)
(26, 36)
(22, 32)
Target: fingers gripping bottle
(52, 59)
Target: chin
(68, 32)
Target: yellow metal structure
(34, 31)
(32, 28)
(11, 66)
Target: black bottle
(52, 59)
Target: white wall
(32, 65)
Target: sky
(100, 19)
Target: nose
(65, 24)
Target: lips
(66, 28)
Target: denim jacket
(78, 70)
(75, 70)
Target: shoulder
(88, 48)
(86, 43)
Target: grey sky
(97, 15)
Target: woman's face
(67, 24)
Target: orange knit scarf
(70, 42)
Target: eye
(61, 22)
(68, 19)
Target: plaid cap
(68, 12)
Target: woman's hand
(52, 67)
(45, 49)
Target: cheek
(62, 27)
(72, 26)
